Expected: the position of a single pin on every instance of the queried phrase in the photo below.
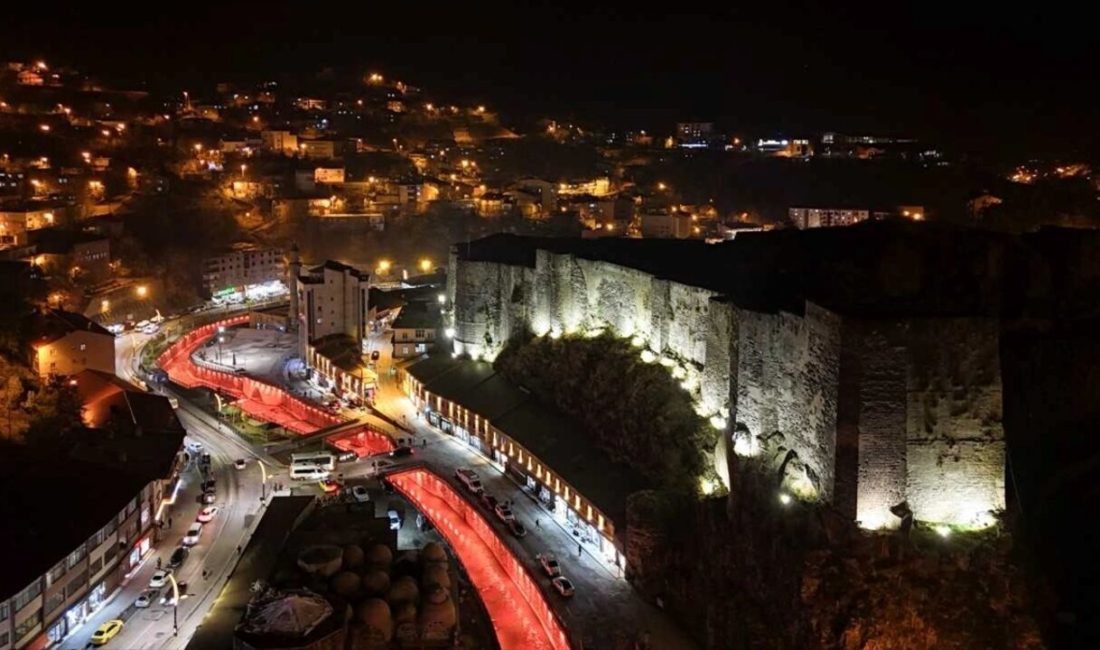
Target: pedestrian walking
(537, 524)
(423, 443)
(158, 561)
(238, 549)
(580, 549)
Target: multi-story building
(283, 142)
(65, 343)
(243, 266)
(318, 149)
(73, 254)
(415, 329)
(804, 218)
(666, 225)
(694, 134)
(331, 299)
(105, 494)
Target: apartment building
(65, 343)
(242, 266)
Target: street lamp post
(263, 485)
(175, 605)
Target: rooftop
(554, 438)
(342, 350)
(418, 315)
(339, 267)
(30, 478)
(56, 323)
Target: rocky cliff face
(755, 573)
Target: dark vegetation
(636, 411)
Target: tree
(54, 411)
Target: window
(110, 552)
(54, 601)
(419, 334)
(27, 595)
(55, 573)
(76, 556)
(96, 565)
(25, 628)
(77, 583)
(4, 613)
(83, 346)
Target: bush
(638, 414)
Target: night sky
(968, 77)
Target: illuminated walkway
(259, 399)
(519, 612)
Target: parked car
(516, 528)
(504, 513)
(159, 579)
(470, 479)
(489, 501)
(240, 463)
(395, 519)
(146, 598)
(549, 564)
(347, 456)
(374, 355)
(359, 493)
(403, 451)
(106, 632)
(193, 534)
(209, 497)
(206, 515)
(563, 586)
(178, 557)
(205, 458)
(208, 485)
(330, 485)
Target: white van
(308, 473)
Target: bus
(323, 459)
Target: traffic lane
(144, 625)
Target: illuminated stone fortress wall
(867, 412)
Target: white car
(159, 579)
(504, 513)
(146, 598)
(550, 565)
(206, 515)
(359, 493)
(193, 534)
(563, 586)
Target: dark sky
(969, 75)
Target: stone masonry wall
(786, 386)
(920, 400)
(955, 442)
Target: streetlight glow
(142, 291)
(384, 266)
(425, 265)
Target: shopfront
(139, 550)
(76, 615)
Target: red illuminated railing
(257, 398)
(517, 606)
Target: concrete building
(65, 343)
(317, 149)
(872, 389)
(415, 329)
(332, 299)
(107, 493)
(244, 265)
(72, 254)
(665, 225)
(694, 134)
(283, 142)
(824, 217)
